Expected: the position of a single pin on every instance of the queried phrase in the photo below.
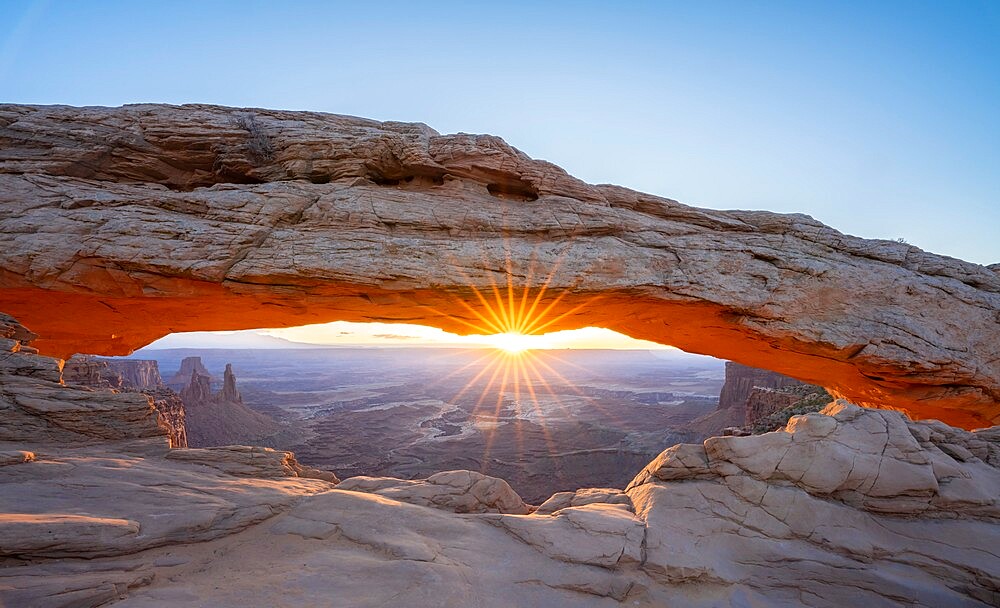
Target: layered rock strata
(741, 380)
(151, 219)
(769, 409)
(138, 374)
(142, 376)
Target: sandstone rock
(134, 376)
(9, 457)
(595, 534)
(138, 374)
(151, 219)
(198, 389)
(214, 419)
(763, 402)
(36, 407)
(584, 496)
(249, 461)
(10, 329)
(172, 412)
(229, 391)
(770, 520)
(682, 461)
(105, 501)
(457, 491)
(189, 367)
(741, 380)
(84, 370)
(832, 492)
(47, 535)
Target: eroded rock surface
(847, 494)
(136, 376)
(150, 219)
(741, 380)
(250, 461)
(584, 496)
(35, 405)
(457, 491)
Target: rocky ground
(849, 506)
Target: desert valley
(580, 419)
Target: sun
(512, 343)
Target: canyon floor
(561, 420)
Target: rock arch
(120, 225)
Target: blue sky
(880, 119)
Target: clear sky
(878, 118)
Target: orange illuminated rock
(118, 226)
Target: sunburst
(512, 320)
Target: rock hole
(513, 190)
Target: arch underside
(119, 226)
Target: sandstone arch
(118, 226)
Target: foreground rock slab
(907, 512)
(150, 219)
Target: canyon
(579, 419)
(149, 219)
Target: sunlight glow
(511, 342)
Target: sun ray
(592, 400)
(477, 328)
(536, 328)
(482, 397)
(524, 294)
(496, 414)
(550, 442)
(471, 383)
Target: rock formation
(172, 412)
(229, 391)
(849, 506)
(84, 370)
(151, 219)
(741, 380)
(769, 409)
(455, 491)
(828, 498)
(189, 366)
(221, 418)
(137, 376)
(734, 399)
(35, 405)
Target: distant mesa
(189, 366)
(220, 418)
